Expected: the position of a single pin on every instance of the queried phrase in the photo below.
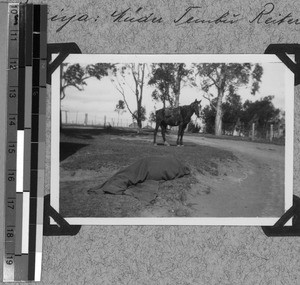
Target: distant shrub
(192, 128)
(108, 127)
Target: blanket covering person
(149, 168)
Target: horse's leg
(163, 133)
(155, 133)
(178, 135)
(182, 132)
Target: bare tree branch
(208, 86)
(71, 84)
(142, 82)
(85, 78)
(208, 98)
(136, 92)
(133, 75)
(121, 91)
(63, 93)
(213, 80)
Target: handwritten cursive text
(225, 18)
(66, 19)
(263, 17)
(126, 17)
(190, 16)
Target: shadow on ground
(88, 133)
(67, 149)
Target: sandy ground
(228, 178)
(259, 183)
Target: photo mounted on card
(172, 139)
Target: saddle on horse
(173, 113)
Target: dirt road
(255, 186)
(228, 178)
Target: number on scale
(11, 204)
(11, 176)
(12, 121)
(12, 93)
(11, 148)
(9, 233)
(9, 260)
(13, 65)
(14, 11)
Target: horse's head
(196, 107)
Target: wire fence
(87, 119)
(270, 131)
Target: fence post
(253, 131)
(66, 114)
(104, 121)
(271, 132)
(86, 119)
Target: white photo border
(187, 58)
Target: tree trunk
(176, 104)
(176, 91)
(139, 123)
(139, 114)
(139, 84)
(219, 114)
(177, 84)
(218, 122)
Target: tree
(75, 75)
(129, 78)
(209, 117)
(225, 78)
(232, 111)
(120, 108)
(152, 117)
(142, 114)
(262, 112)
(180, 73)
(161, 79)
(168, 78)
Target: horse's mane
(185, 107)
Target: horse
(179, 116)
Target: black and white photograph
(172, 139)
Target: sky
(99, 97)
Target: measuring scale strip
(21, 260)
(11, 141)
(38, 149)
